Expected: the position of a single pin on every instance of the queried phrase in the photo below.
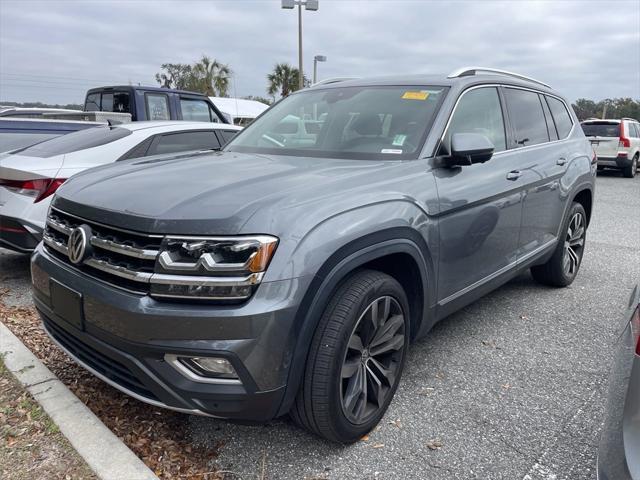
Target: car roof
(142, 87)
(437, 80)
(176, 124)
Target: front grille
(102, 364)
(122, 258)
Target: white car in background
(29, 177)
(616, 143)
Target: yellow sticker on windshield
(415, 95)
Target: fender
(335, 269)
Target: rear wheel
(356, 358)
(561, 269)
(632, 169)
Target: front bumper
(123, 339)
(615, 162)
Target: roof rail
(328, 81)
(468, 71)
(627, 118)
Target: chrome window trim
(505, 85)
(172, 360)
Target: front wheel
(561, 269)
(356, 358)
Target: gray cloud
(53, 51)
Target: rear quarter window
(561, 117)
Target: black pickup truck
(153, 103)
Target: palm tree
(284, 79)
(212, 76)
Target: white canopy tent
(239, 110)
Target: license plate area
(67, 304)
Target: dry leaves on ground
(159, 437)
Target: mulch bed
(159, 437)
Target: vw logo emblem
(78, 243)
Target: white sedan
(28, 177)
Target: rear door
(604, 135)
(541, 159)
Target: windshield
(601, 129)
(72, 142)
(375, 122)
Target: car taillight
(635, 327)
(624, 141)
(39, 188)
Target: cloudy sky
(53, 50)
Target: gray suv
(289, 272)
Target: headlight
(216, 268)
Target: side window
(195, 110)
(226, 135)
(92, 103)
(478, 111)
(560, 116)
(551, 126)
(184, 142)
(213, 115)
(527, 117)
(107, 102)
(157, 106)
(635, 130)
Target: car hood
(213, 193)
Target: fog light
(219, 367)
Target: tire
(632, 169)
(328, 404)
(561, 269)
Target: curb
(103, 451)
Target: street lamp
(311, 5)
(316, 59)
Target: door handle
(514, 175)
(561, 161)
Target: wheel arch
(400, 252)
(584, 197)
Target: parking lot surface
(511, 387)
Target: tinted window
(551, 126)
(121, 102)
(157, 106)
(92, 103)
(72, 142)
(601, 129)
(561, 116)
(107, 102)
(372, 122)
(12, 140)
(195, 110)
(478, 111)
(183, 142)
(527, 117)
(227, 135)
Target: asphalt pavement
(511, 387)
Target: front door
(480, 204)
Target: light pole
(311, 5)
(316, 59)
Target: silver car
(619, 453)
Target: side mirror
(469, 148)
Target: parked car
(616, 142)
(32, 112)
(239, 111)
(619, 452)
(28, 177)
(153, 103)
(292, 276)
(21, 132)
